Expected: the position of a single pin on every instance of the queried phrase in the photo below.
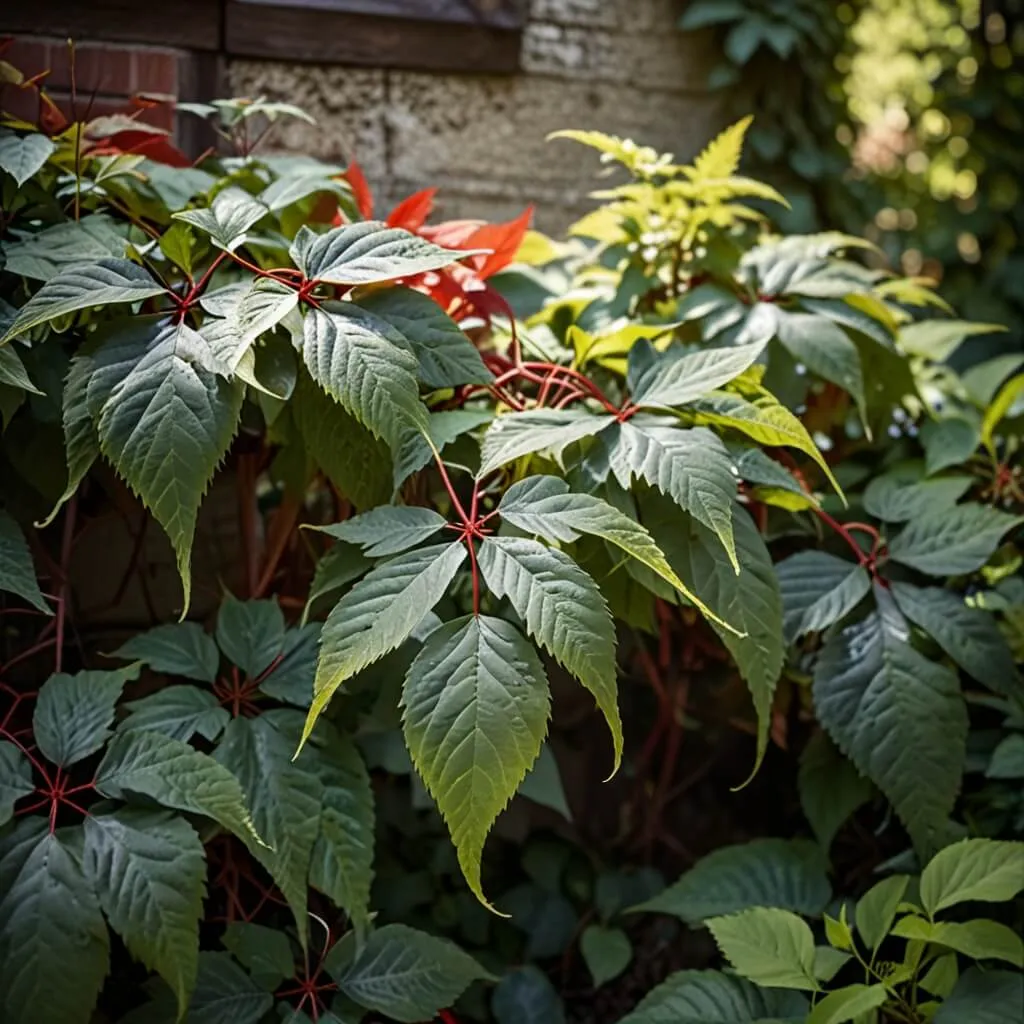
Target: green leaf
(898, 716)
(848, 1004)
(179, 649)
(512, 436)
(49, 917)
(263, 307)
(225, 994)
(787, 874)
(266, 953)
(973, 869)
(831, 789)
(526, 996)
(17, 573)
(359, 360)
(818, 590)
(876, 910)
(342, 859)
(543, 505)
(543, 784)
(179, 712)
(475, 714)
(368, 252)
(173, 774)
(104, 283)
(227, 219)
(942, 976)
(378, 614)
(22, 155)
(291, 679)
(691, 466)
(767, 946)
(824, 349)
(984, 997)
(74, 714)
(606, 952)
(166, 426)
(901, 494)
(948, 442)
(1003, 403)
(81, 442)
(355, 461)
(12, 371)
(445, 355)
(952, 541)
(762, 418)
(42, 255)
(1007, 759)
(337, 567)
(442, 428)
(680, 379)
(15, 779)
(388, 530)
(149, 873)
(711, 997)
(285, 191)
(980, 940)
(283, 797)
(828, 962)
(564, 611)
(939, 339)
(970, 636)
(407, 974)
(750, 603)
(177, 243)
(250, 633)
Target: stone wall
(619, 66)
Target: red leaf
(452, 233)
(504, 239)
(360, 189)
(142, 143)
(411, 213)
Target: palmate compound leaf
(50, 920)
(712, 997)
(176, 775)
(17, 573)
(360, 360)
(691, 466)
(970, 636)
(476, 711)
(750, 603)
(543, 505)
(378, 614)
(677, 380)
(283, 797)
(445, 355)
(148, 871)
(165, 427)
(177, 648)
(74, 714)
(564, 611)
(227, 219)
(387, 530)
(179, 712)
(250, 633)
(818, 589)
(408, 975)
(104, 283)
(788, 874)
(368, 252)
(898, 716)
(538, 430)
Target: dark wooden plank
(296, 33)
(505, 14)
(190, 24)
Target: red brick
(29, 56)
(155, 71)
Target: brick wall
(106, 75)
(615, 65)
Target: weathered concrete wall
(618, 66)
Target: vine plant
(667, 419)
